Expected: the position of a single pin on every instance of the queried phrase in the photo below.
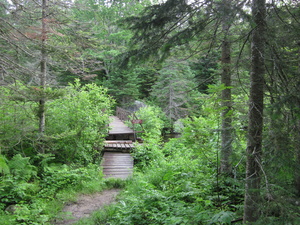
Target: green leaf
(223, 217)
(4, 169)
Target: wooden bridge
(117, 161)
(117, 165)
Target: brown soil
(86, 204)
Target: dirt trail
(86, 204)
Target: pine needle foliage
(161, 27)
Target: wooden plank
(118, 127)
(117, 164)
(118, 141)
(117, 171)
(128, 146)
(120, 176)
(109, 162)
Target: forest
(222, 74)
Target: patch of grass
(7, 219)
(99, 217)
(66, 195)
(111, 183)
(93, 186)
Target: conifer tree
(43, 74)
(226, 133)
(27, 52)
(172, 90)
(256, 106)
(205, 24)
(282, 83)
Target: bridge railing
(124, 115)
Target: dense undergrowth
(178, 182)
(175, 182)
(27, 198)
(41, 172)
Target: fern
(4, 169)
(21, 167)
(223, 217)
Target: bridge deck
(118, 145)
(118, 127)
(117, 164)
(117, 161)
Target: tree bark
(226, 132)
(256, 105)
(43, 74)
(297, 168)
(297, 142)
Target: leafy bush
(146, 154)
(177, 189)
(57, 178)
(153, 121)
(151, 150)
(4, 169)
(78, 123)
(19, 183)
(29, 199)
(176, 182)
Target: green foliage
(14, 190)
(176, 184)
(4, 169)
(205, 69)
(38, 200)
(21, 168)
(99, 217)
(152, 33)
(174, 89)
(203, 131)
(17, 119)
(180, 182)
(172, 190)
(75, 127)
(123, 86)
(154, 121)
(147, 76)
(20, 184)
(222, 217)
(77, 123)
(64, 177)
(147, 153)
(114, 183)
(95, 41)
(200, 134)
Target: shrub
(29, 199)
(78, 123)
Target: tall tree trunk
(297, 168)
(43, 74)
(297, 141)
(226, 133)
(256, 105)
